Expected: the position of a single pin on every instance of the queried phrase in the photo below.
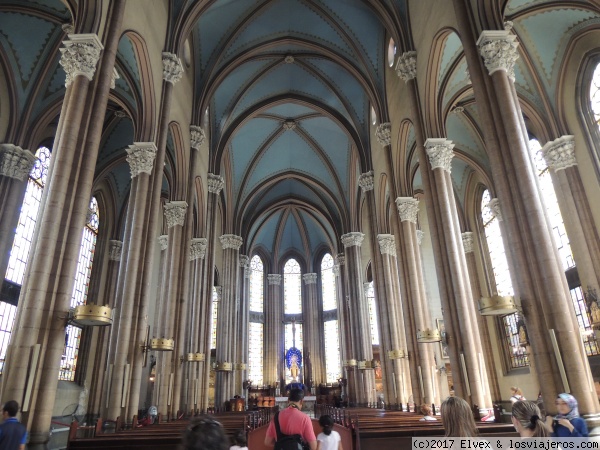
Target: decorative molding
(408, 209)
(387, 244)
(499, 51)
(175, 213)
(172, 68)
(289, 59)
(68, 28)
(340, 259)
(245, 264)
(231, 241)
(289, 125)
(219, 291)
(332, 314)
(274, 279)
(352, 239)
(309, 278)
(197, 136)
(215, 183)
(383, 133)
(256, 317)
(163, 240)
(366, 181)
(15, 162)
(80, 56)
(467, 238)
(508, 25)
(113, 79)
(494, 206)
(420, 236)
(114, 250)
(458, 110)
(439, 151)
(198, 248)
(559, 154)
(140, 157)
(406, 67)
(336, 270)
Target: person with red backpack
(291, 428)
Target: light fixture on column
(350, 363)
(91, 315)
(497, 305)
(224, 366)
(240, 366)
(428, 336)
(195, 357)
(162, 345)
(397, 354)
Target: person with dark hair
(457, 418)
(567, 423)
(292, 421)
(328, 439)
(526, 418)
(13, 434)
(239, 441)
(204, 433)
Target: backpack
(284, 441)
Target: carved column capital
(114, 78)
(274, 279)
(140, 156)
(420, 236)
(494, 206)
(352, 239)
(231, 241)
(336, 270)
(467, 238)
(340, 259)
(198, 248)
(309, 278)
(15, 162)
(114, 250)
(172, 68)
(408, 208)
(559, 154)
(197, 136)
(175, 213)
(406, 67)
(245, 264)
(80, 56)
(215, 183)
(384, 133)
(440, 153)
(499, 51)
(387, 244)
(366, 181)
(163, 240)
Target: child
(239, 441)
(328, 439)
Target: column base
(593, 423)
(38, 440)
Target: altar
(308, 406)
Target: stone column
(215, 185)
(471, 362)
(583, 235)
(274, 345)
(242, 336)
(343, 320)
(227, 320)
(539, 277)
(394, 321)
(172, 73)
(15, 166)
(359, 316)
(408, 208)
(312, 330)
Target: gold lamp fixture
(397, 354)
(224, 366)
(350, 363)
(92, 315)
(195, 357)
(162, 345)
(498, 305)
(429, 335)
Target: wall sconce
(91, 315)
(497, 305)
(428, 336)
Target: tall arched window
(256, 327)
(493, 235)
(292, 305)
(562, 241)
(595, 95)
(370, 293)
(214, 315)
(68, 362)
(331, 327)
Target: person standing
(13, 434)
(567, 423)
(527, 420)
(328, 439)
(292, 421)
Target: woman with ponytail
(527, 421)
(328, 439)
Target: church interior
(204, 203)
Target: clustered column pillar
(472, 364)
(312, 323)
(15, 166)
(343, 320)
(273, 331)
(362, 351)
(227, 320)
(241, 357)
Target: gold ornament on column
(92, 315)
(497, 305)
(429, 335)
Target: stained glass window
(562, 241)
(289, 342)
(256, 284)
(332, 351)
(292, 287)
(68, 363)
(328, 283)
(370, 292)
(595, 94)
(255, 358)
(214, 315)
